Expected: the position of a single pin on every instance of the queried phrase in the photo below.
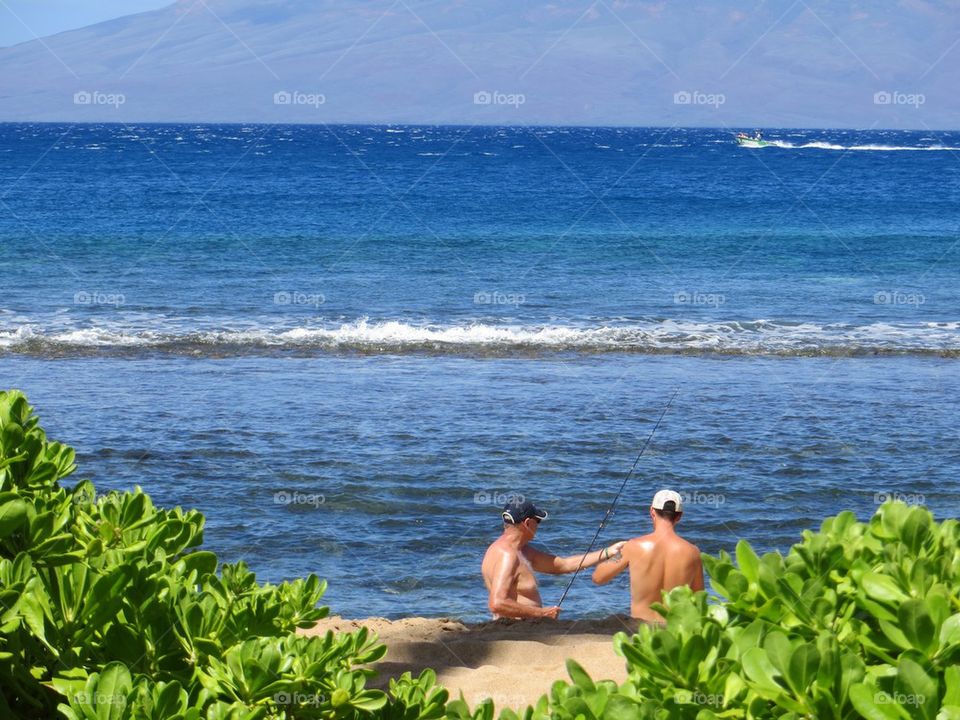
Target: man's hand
(615, 549)
(612, 565)
(551, 612)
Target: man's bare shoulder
(649, 543)
(500, 547)
(689, 547)
(499, 552)
(500, 557)
(640, 545)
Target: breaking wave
(757, 337)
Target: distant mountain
(619, 62)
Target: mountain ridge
(602, 63)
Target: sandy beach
(512, 662)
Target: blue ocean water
(346, 345)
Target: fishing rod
(616, 499)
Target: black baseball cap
(519, 510)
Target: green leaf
(895, 635)
(106, 595)
(692, 654)
(111, 690)
(11, 438)
(950, 631)
(916, 528)
(70, 682)
(748, 637)
(748, 561)
(951, 679)
(32, 609)
(169, 699)
(852, 670)
(43, 473)
(621, 708)
(778, 650)
(882, 588)
(13, 516)
(916, 689)
(871, 703)
(579, 676)
(803, 668)
(917, 625)
(760, 670)
(203, 561)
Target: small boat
(752, 141)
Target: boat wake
(818, 145)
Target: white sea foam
(759, 337)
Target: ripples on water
(347, 365)
(380, 473)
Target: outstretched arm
(609, 569)
(555, 565)
(500, 602)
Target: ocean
(349, 345)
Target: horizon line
(263, 123)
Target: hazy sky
(22, 20)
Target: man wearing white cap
(659, 561)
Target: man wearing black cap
(510, 562)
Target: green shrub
(109, 610)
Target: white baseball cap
(664, 496)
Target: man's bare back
(658, 564)
(661, 560)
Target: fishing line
(606, 516)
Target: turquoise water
(346, 345)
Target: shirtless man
(510, 562)
(659, 561)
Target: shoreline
(513, 662)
